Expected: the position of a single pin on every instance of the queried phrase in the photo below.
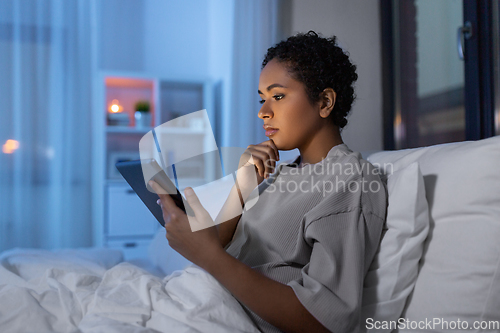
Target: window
(433, 95)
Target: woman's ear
(327, 102)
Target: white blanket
(90, 291)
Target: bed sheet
(92, 290)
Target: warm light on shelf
(115, 107)
(10, 146)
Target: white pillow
(459, 277)
(393, 273)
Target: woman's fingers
(273, 145)
(202, 218)
(194, 202)
(265, 158)
(165, 199)
(258, 159)
(274, 156)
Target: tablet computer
(133, 173)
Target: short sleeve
(331, 284)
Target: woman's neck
(319, 146)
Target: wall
(163, 37)
(171, 39)
(176, 38)
(120, 34)
(356, 24)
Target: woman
(296, 259)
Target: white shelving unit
(120, 219)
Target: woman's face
(286, 108)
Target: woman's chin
(282, 145)
(277, 143)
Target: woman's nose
(265, 112)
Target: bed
(439, 259)
(94, 290)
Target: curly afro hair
(318, 63)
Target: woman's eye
(276, 97)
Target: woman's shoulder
(344, 163)
(351, 184)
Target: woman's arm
(227, 220)
(274, 302)
(229, 216)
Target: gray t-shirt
(316, 229)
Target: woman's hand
(260, 159)
(194, 237)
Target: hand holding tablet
(132, 171)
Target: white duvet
(91, 291)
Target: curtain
(255, 30)
(46, 67)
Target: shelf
(117, 211)
(133, 130)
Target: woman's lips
(270, 131)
